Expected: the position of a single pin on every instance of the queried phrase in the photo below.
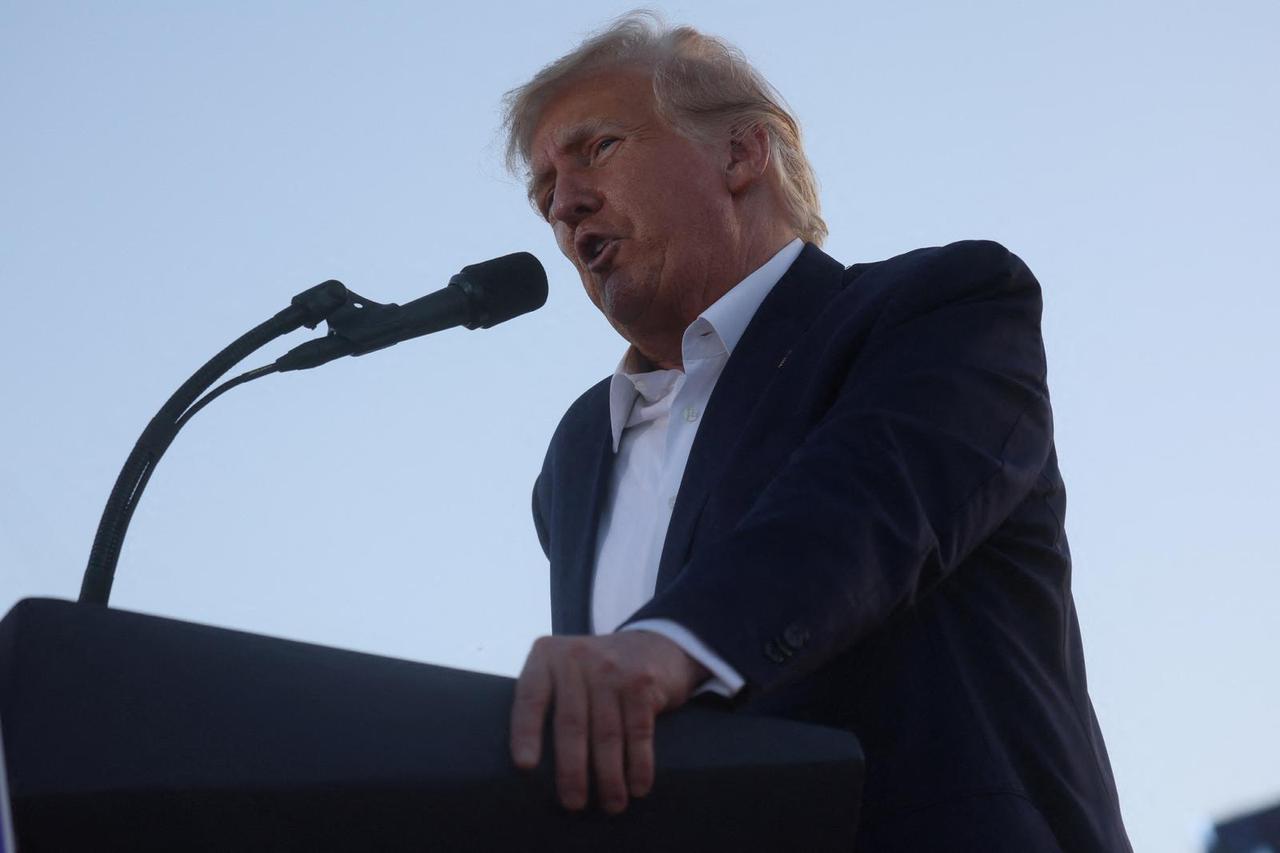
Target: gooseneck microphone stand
(479, 296)
(308, 308)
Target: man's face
(643, 213)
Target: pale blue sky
(172, 173)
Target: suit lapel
(583, 491)
(786, 312)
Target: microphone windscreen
(502, 288)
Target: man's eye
(604, 145)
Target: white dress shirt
(655, 416)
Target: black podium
(132, 732)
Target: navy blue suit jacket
(870, 530)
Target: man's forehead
(584, 107)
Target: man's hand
(605, 693)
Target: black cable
(247, 376)
(145, 474)
(149, 462)
(309, 308)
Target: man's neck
(664, 351)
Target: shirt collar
(716, 331)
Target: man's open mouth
(598, 252)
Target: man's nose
(574, 199)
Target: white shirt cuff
(724, 679)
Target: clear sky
(172, 173)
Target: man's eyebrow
(574, 135)
(567, 139)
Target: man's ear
(748, 159)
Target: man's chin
(620, 299)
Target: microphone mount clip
(362, 321)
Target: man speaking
(822, 493)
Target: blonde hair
(702, 85)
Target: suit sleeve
(539, 522)
(938, 428)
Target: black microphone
(480, 296)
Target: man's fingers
(604, 694)
(638, 716)
(529, 709)
(571, 723)
(607, 747)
